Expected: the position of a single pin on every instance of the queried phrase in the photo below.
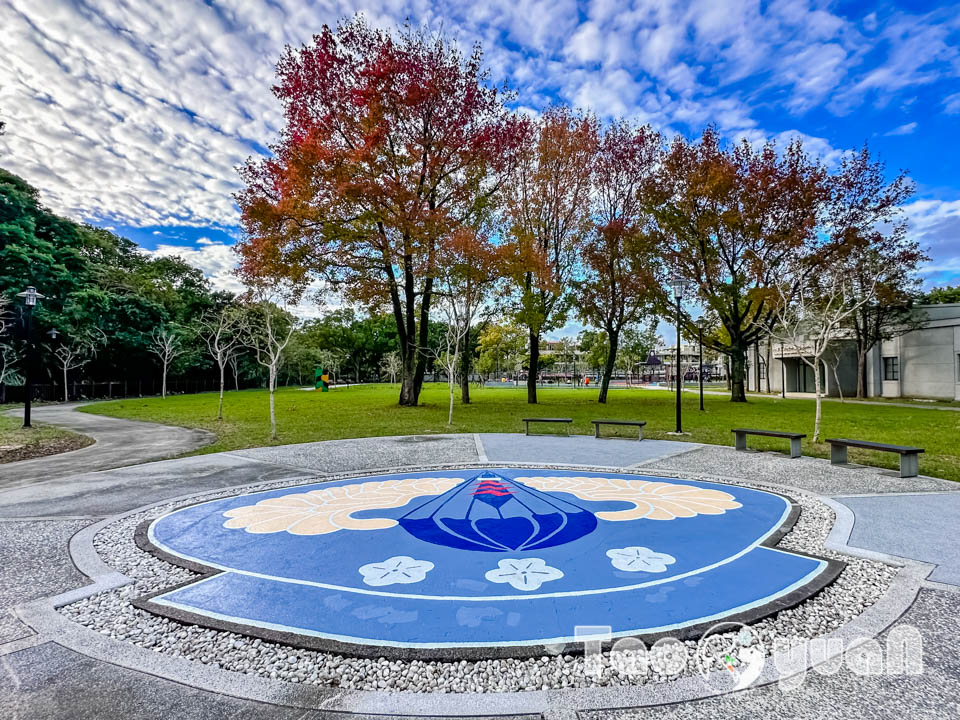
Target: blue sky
(133, 114)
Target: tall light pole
(679, 286)
(30, 297)
(700, 371)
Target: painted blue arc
(515, 566)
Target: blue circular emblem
(503, 560)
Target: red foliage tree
(548, 212)
(623, 261)
(736, 219)
(391, 144)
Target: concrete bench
(794, 438)
(909, 456)
(565, 421)
(627, 423)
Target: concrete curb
(42, 616)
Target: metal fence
(118, 389)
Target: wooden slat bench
(794, 438)
(565, 421)
(909, 456)
(628, 423)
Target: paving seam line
(481, 452)
(669, 456)
(42, 616)
(299, 468)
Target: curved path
(117, 443)
(51, 668)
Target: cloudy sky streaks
(134, 114)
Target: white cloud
(905, 129)
(217, 261)
(137, 112)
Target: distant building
(922, 363)
(661, 363)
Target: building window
(891, 368)
(763, 370)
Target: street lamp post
(679, 286)
(700, 372)
(30, 297)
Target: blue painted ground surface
(488, 561)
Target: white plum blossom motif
(525, 574)
(639, 559)
(398, 569)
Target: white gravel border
(860, 585)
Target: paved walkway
(118, 443)
(78, 673)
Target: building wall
(929, 359)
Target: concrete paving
(40, 678)
(35, 564)
(921, 527)
(578, 449)
(118, 443)
(846, 693)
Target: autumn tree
(469, 264)
(391, 144)
(865, 215)
(735, 218)
(548, 214)
(623, 260)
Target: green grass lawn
(19, 443)
(372, 410)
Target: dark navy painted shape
(490, 513)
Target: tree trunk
(163, 387)
(738, 374)
(836, 377)
(451, 383)
(614, 338)
(222, 383)
(816, 386)
(409, 393)
(66, 392)
(465, 363)
(273, 416)
(534, 367)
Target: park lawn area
(372, 410)
(19, 443)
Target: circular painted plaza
(476, 575)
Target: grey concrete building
(923, 363)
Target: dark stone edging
(41, 615)
(298, 640)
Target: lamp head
(30, 296)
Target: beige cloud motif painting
(328, 510)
